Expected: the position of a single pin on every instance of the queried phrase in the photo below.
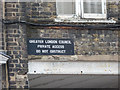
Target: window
(81, 8)
(65, 9)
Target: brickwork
(15, 11)
(16, 44)
(119, 10)
(113, 10)
(44, 11)
(1, 31)
(87, 41)
(16, 49)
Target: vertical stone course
(16, 47)
(1, 31)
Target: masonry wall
(88, 42)
(15, 11)
(16, 49)
(15, 37)
(18, 21)
(113, 10)
(42, 12)
(46, 11)
(1, 31)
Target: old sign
(50, 47)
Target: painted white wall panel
(73, 67)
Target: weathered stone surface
(16, 47)
(60, 58)
(113, 10)
(93, 42)
(15, 11)
(1, 31)
(88, 43)
(46, 10)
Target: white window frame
(79, 11)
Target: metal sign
(50, 46)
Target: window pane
(93, 6)
(66, 7)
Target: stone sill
(66, 58)
(85, 21)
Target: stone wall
(113, 10)
(86, 42)
(16, 49)
(45, 11)
(15, 11)
(1, 31)
(15, 39)
(119, 10)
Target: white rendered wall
(73, 67)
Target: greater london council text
(50, 41)
(53, 46)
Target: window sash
(94, 15)
(79, 10)
(61, 11)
